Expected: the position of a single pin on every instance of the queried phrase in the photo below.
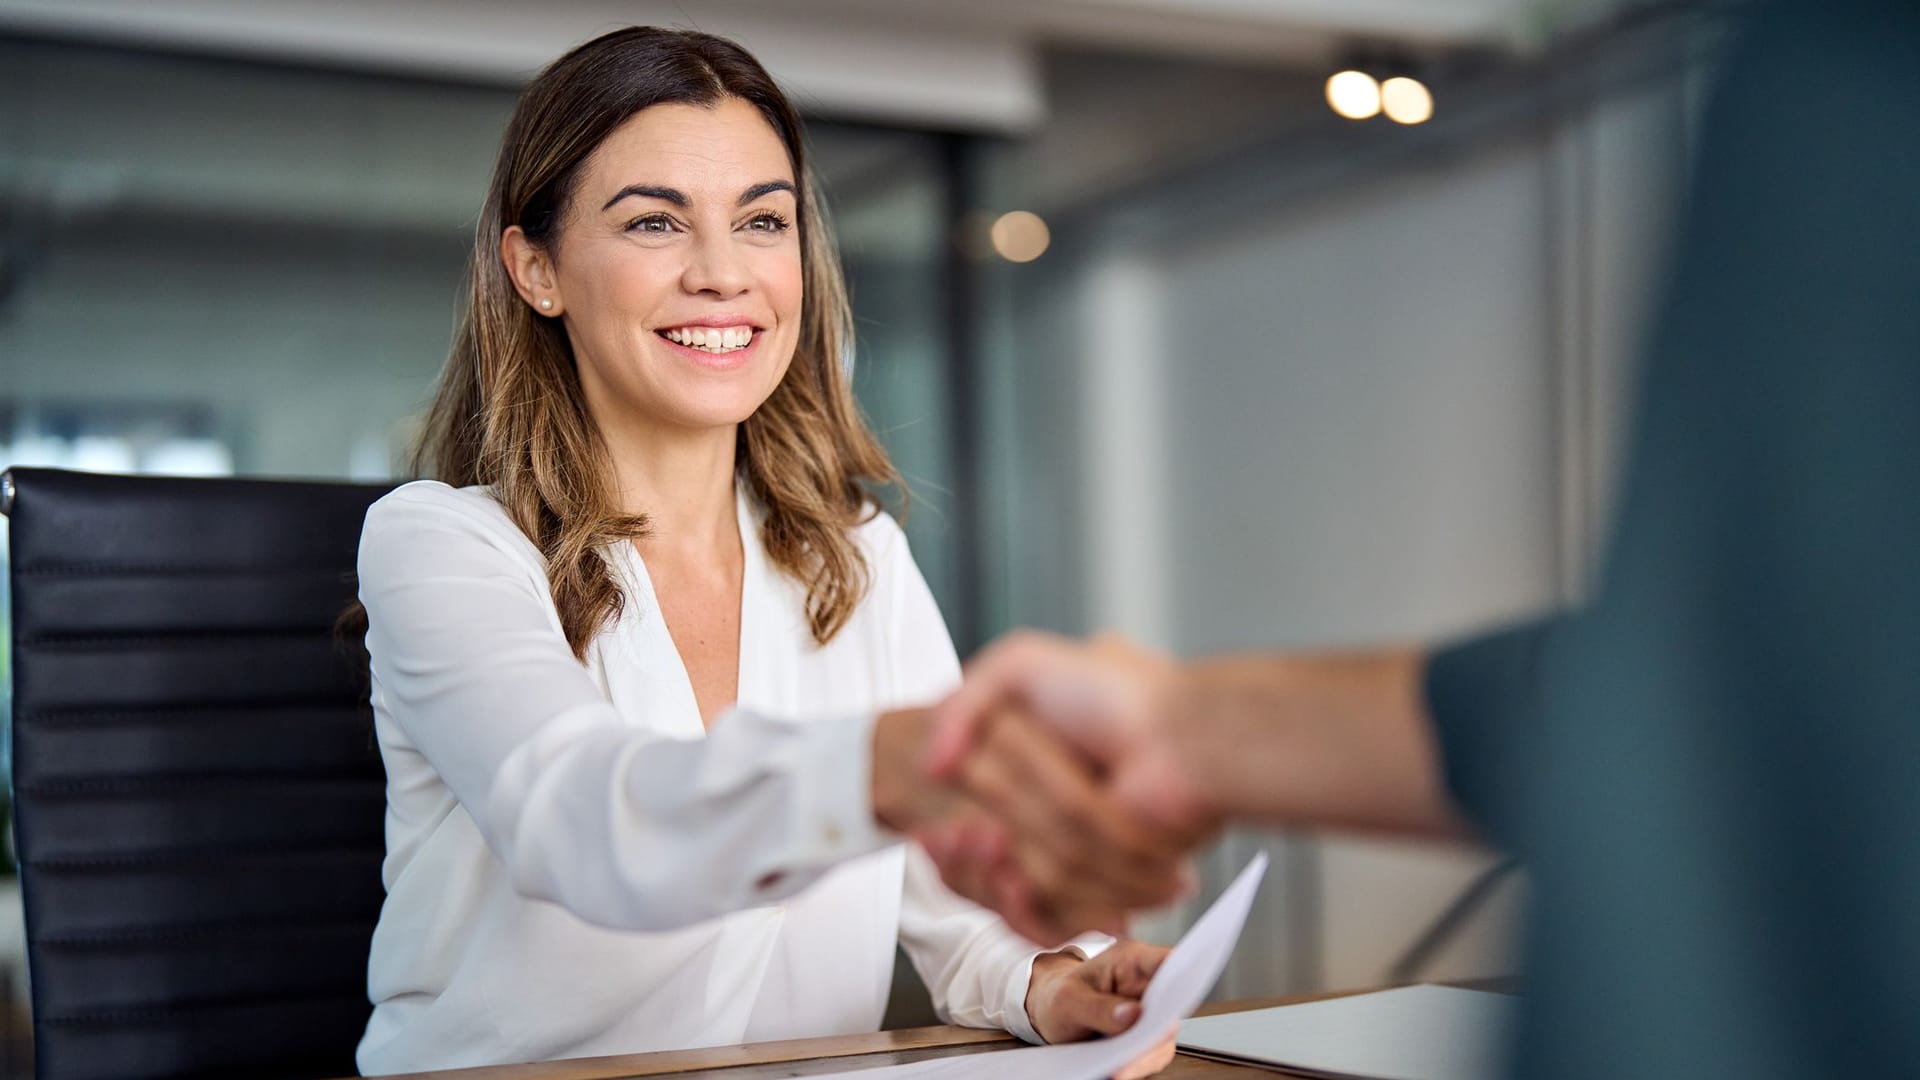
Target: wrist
(1328, 739)
(1238, 721)
(1194, 754)
(1048, 970)
(1052, 965)
(902, 798)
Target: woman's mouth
(716, 340)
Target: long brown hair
(509, 411)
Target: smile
(711, 339)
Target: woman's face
(677, 268)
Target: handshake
(1046, 788)
(1065, 784)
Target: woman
(653, 512)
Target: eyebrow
(761, 190)
(679, 198)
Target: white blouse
(576, 867)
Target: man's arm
(1351, 740)
(1337, 741)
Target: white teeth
(712, 339)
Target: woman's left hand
(1069, 999)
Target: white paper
(1413, 1033)
(1178, 988)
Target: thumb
(993, 677)
(955, 725)
(1082, 1007)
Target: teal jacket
(1714, 770)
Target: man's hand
(1052, 850)
(1109, 700)
(1069, 999)
(1026, 829)
(1063, 744)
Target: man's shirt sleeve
(1485, 696)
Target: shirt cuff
(832, 764)
(838, 761)
(1086, 947)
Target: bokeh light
(1020, 236)
(1406, 100)
(1354, 94)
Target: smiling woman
(693, 157)
(685, 301)
(641, 653)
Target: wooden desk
(811, 1057)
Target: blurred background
(1171, 331)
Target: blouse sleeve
(623, 827)
(975, 967)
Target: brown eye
(768, 222)
(652, 223)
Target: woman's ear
(532, 272)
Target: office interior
(1162, 342)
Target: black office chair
(198, 798)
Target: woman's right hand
(1025, 826)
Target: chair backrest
(198, 798)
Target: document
(1413, 1033)
(1178, 988)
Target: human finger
(955, 855)
(1081, 1008)
(1069, 834)
(995, 674)
(982, 872)
(1133, 965)
(1150, 1062)
(1043, 838)
(1110, 827)
(1025, 912)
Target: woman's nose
(715, 267)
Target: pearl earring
(546, 303)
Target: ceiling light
(1354, 95)
(1020, 236)
(1406, 101)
